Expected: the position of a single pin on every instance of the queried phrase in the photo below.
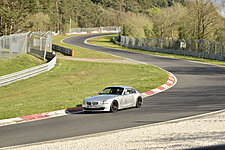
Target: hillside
(55, 14)
(138, 18)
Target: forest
(172, 19)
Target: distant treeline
(142, 18)
(55, 14)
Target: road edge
(172, 80)
(170, 83)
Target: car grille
(102, 108)
(92, 103)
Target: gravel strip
(205, 131)
(124, 61)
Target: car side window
(133, 91)
(129, 91)
(106, 91)
(112, 90)
(119, 91)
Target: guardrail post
(10, 49)
(215, 47)
(208, 46)
(40, 43)
(30, 42)
(222, 48)
(72, 52)
(46, 44)
(0, 47)
(25, 43)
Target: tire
(114, 106)
(139, 102)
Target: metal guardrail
(42, 54)
(94, 29)
(195, 48)
(27, 73)
(63, 50)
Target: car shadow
(79, 110)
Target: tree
(204, 19)
(133, 24)
(13, 13)
(109, 17)
(166, 21)
(38, 22)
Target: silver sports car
(113, 98)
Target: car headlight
(104, 102)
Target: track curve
(200, 89)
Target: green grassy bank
(69, 82)
(17, 64)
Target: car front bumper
(96, 108)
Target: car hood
(100, 97)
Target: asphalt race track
(200, 89)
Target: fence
(40, 41)
(195, 48)
(17, 44)
(94, 29)
(13, 45)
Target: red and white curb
(40, 116)
(172, 80)
(170, 83)
(92, 32)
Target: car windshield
(113, 90)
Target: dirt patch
(83, 73)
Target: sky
(221, 4)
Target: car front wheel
(139, 102)
(114, 106)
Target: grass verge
(105, 41)
(80, 52)
(17, 64)
(70, 82)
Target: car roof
(120, 86)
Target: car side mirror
(100, 93)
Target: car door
(132, 100)
(125, 98)
(128, 97)
(134, 97)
